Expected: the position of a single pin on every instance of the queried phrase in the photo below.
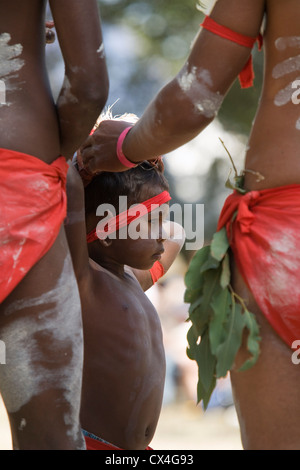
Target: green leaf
(210, 263)
(192, 338)
(225, 276)
(226, 352)
(203, 394)
(219, 244)
(206, 362)
(221, 305)
(197, 302)
(200, 318)
(252, 341)
(193, 278)
(202, 312)
(190, 296)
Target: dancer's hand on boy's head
(99, 150)
(84, 175)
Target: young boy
(124, 365)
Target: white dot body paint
(28, 371)
(22, 424)
(290, 65)
(284, 42)
(298, 125)
(196, 85)
(285, 95)
(100, 51)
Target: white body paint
(196, 84)
(100, 51)
(10, 64)
(28, 372)
(284, 96)
(290, 65)
(286, 67)
(9, 56)
(282, 43)
(66, 96)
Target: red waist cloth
(265, 240)
(94, 444)
(32, 209)
(246, 76)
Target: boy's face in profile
(140, 244)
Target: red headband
(126, 217)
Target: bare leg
(267, 397)
(40, 324)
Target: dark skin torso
(124, 361)
(32, 112)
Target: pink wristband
(120, 153)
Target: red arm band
(157, 271)
(246, 75)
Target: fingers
(50, 35)
(86, 158)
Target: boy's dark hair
(106, 187)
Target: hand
(50, 35)
(98, 153)
(77, 163)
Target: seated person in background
(124, 359)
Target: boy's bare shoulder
(102, 278)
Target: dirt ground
(182, 426)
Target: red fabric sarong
(94, 444)
(265, 239)
(32, 209)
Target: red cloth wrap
(246, 75)
(157, 271)
(32, 209)
(265, 239)
(94, 444)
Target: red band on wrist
(120, 153)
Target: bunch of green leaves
(218, 316)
